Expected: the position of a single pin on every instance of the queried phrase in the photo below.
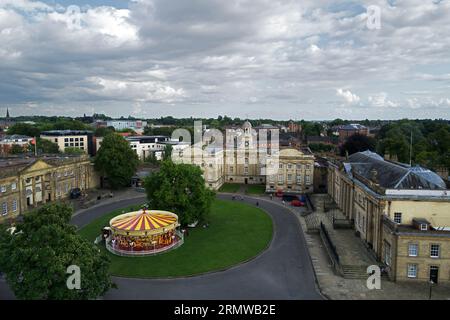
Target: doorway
(246, 181)
(434, 274)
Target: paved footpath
(283, 271)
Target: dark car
(289, 198)
(75, 193)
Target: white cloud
(380, 100)
(348, 96)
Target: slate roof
(392, 175)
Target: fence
(331, 249)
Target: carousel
(143, 232)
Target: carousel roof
(144, 221)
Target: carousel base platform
(143, 253)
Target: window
(246, 160)
(299, 179)
(289, 166)
(412, 271)
(3, 188)
(308, 179)
(398, 217)
(289, 177)
(14, 205)
(413, 250)
(13, 186)
(434, 251)
(308, 167)
(280, 178)
(231, 169)
(299, 166)
(280, 166)
(4, 208)
(246, 170)
(423, 227)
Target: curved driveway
(284, 271)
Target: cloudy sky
(278, 59)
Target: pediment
(37, 166)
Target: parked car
(297, 203)
(75, 193)
(289, 198)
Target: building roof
(143, 221)
(353, 126)
(66, 132)
(15, 137)
(390, 175)
(11, 166)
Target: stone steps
(357, 272)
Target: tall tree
(357, 143)
(116, 160)
(167, 153)
(180, 188)
(36, 256)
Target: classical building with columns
(251, 156)
(400, 212)
(26, 183)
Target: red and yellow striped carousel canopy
(144, 221)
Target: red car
(297, 203)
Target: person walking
(257, 203)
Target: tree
(180, 188)
(167, 153)
(24, 129)
(36, 257)
(116, 160)
(44, 146)
(103, 131)
(73, 150)
(16, 149)
(358, 143)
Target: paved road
(283, 271)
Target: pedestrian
(257, 203)
(283, 202)
(271, 196)
(242, 198)
(234, 198)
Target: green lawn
(256, 189)
(229, 187)
(236, 233)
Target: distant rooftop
(353, 126)
(65, 132)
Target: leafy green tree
(73, 150)
(44, 146)
(180, 188)
(16, 149)
(103, 131)
(35, 257)
(167, 153)
(116, 160)
(358, 143)
(24, 129)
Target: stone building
(246, 156)
(295, 173)
(26, 183)
(80, 139)
(400, 212)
